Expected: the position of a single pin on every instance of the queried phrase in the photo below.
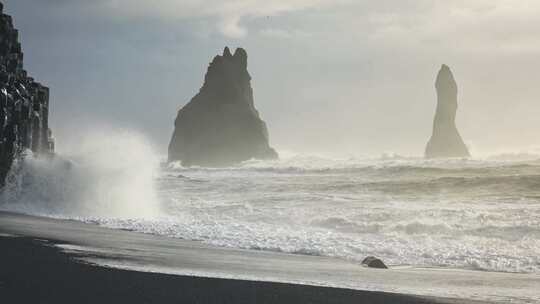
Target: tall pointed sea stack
(24, 103)
(220, 125)
(445, 140)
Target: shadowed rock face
(445, 140)
(24, 103)
(220, 125)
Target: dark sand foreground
(53, 261)
(33, 272)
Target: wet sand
(34, 272)
(58, 261)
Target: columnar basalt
(445, 140)
(220, 125)
(24, 103)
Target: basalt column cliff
(24, 103)
(445, 140)
(220, 125)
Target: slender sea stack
(220, 125)
(445, 140)
(24, 103)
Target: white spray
(107, 173)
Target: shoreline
(33, 271)
(84, 256)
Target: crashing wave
(109, 174)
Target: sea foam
(465, 213)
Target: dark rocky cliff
(445, 140)
(24, 103)
(220, 125)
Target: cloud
(229, 14)
(473, 25)
(101, 58)
(474, 22)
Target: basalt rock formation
(24, 103)
(445, 140)
(220, 125)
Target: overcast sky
(348, 77)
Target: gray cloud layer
(330, 76)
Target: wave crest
(109, 173)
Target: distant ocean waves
(476, 214)
(479, 214)
(385, 164)
(398, 175)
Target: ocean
(481, 214)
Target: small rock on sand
(373, 262)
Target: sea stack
(220, 125)
(24, 103)
(445, 140)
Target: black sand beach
(34, 270)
